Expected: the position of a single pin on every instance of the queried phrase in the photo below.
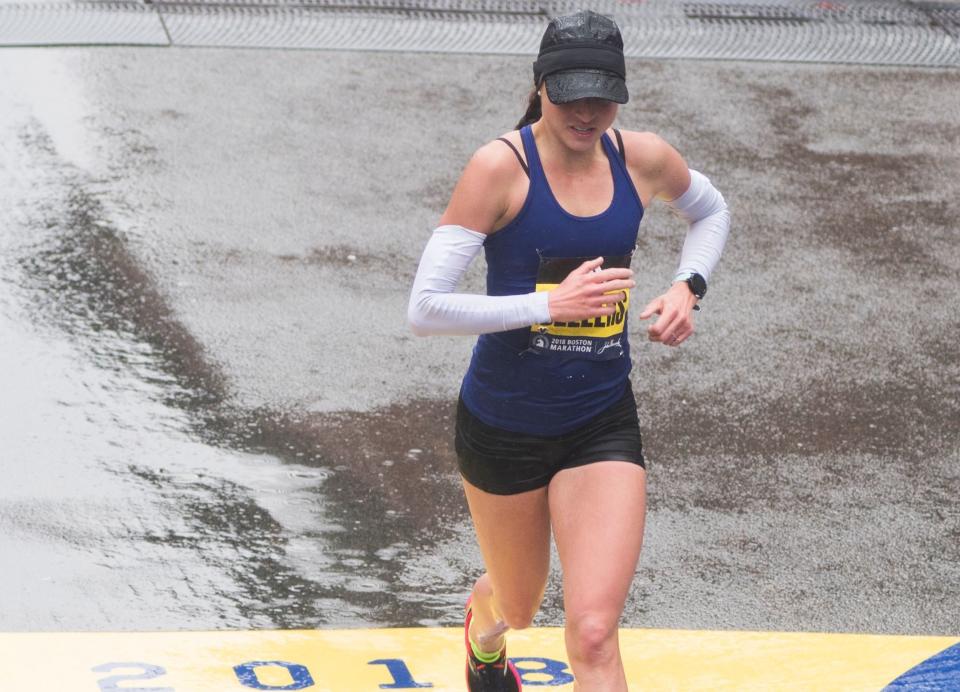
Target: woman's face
(578, 124)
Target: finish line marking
(406, 659)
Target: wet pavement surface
(213, 415)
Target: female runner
(547, 434)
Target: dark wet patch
(232, 534)
(789, 112)
(92, 285)
(943, 346)
(874, 206)
(138, 150)
(793, 450)
(896, 418)
(34, 139)
(389, 483)
(406, 448)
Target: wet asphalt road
(213, 415)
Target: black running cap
(581, 56)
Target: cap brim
(572, 85)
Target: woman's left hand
(675, 309)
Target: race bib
(597, 338)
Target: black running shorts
(505, 463)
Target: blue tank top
(549, 379)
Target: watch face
(698, 285)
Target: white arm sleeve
(434, 307)
(703, 207)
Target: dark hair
(534, 111)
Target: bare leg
(513, 532)
(597, 512)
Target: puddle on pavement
(187, 504)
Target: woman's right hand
(589, 291)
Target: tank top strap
(616, 163)
(533, 156)
(622, 182)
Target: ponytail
(534, 111)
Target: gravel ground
(217, 412)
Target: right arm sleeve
(434, 307)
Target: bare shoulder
(496, 156)
(647, 151)
(480, 197)
(657, 163)
(490, 163)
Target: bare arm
(481, 196)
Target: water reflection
(231, 517)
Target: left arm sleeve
(703, 207)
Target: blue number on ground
(149, 672)
(402, 679)
(247, 675)
(533, 677)
(940, 672)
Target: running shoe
(498, 676)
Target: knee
(515, 611)
(518, 616)
(592, 638)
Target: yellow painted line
(361, 660)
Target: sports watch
(697, 284)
